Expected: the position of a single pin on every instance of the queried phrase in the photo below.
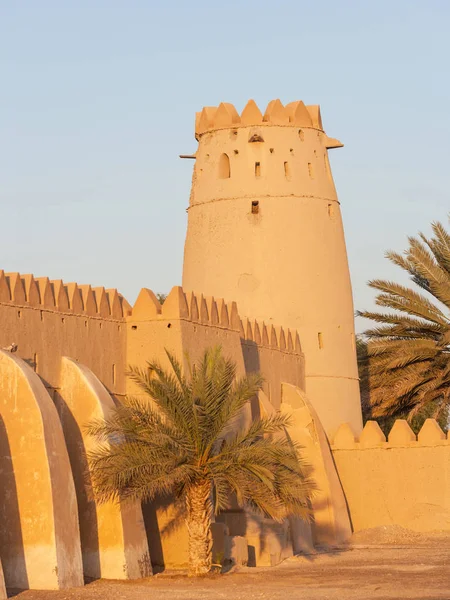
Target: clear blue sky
(97, 99)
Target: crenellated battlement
(270, 336)
(294, 114)
(400, 435)
(225, 116)
(55, 295)
(214, 312)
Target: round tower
(265, 229)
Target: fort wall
(50, 319)
(402, 480)
(76, 343)
(186, 324)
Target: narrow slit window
(331, 210)
(257, 169)
(310, 171)
(287, 170)
(35, 362)
(320, 340)
(301, 135)
(255, 207)
(224, 167)
(113, 373)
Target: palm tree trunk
(199, 512)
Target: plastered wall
(75, 343)
(403, 480)
(51, 319)
(265, 227)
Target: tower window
(301, 135)
(287, 170)
(255, 207)
(257, 169)
(320, 340)
(310, 171)
(224, 167)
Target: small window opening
(315, 153)
(310, 170)
(119, 328)
(255, 138)
(35, 362)
(320, 340)
(236, 151)
(257, 169)
(42, 314)
(291, 150)
(287, 170)
(63, 320)
(224, 167)
(85, 323)
(19, 314)
(255, 207)
(169, 325)
(301, 135)
(113, 374)
(271, 150)
(330, 210)
(134, 327)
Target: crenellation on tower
(225, 116)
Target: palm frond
(406, 357)
(183, 431)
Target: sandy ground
(372, 568)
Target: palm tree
(408, 351)
(185, 437)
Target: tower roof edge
(225, 116)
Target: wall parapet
(270, 336)
(213, 312)
(400, 435)
(55, 295)
(225, 116)
(294, 114)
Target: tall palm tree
(185, 438)
(408, 352)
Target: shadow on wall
(252, 365)
(11, 540)
(90, 548)
(166, 533)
